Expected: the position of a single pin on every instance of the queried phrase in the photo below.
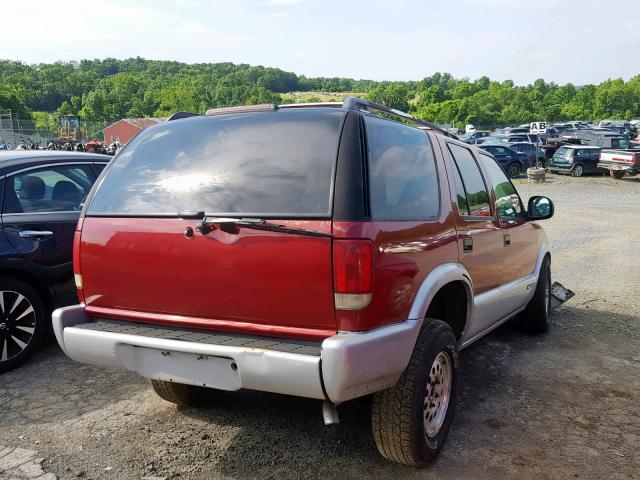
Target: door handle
(467, 243)
(37, 234)
(506, 238)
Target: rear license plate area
(180, 367)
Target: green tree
(12, 97)
(393, 95)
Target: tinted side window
(477, 195)
(507, 200)
(50, 189)
(461, 195)
(98, 167)
(403, 182)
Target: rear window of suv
(278, 164)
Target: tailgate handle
(37, 234)
(467, 243)
(507, 239)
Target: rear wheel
(617, 174)
(577, 171)
(22, 322)
(181, 394)
(411, 420)
(537, 316)
(514, 170)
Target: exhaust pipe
(330, 413)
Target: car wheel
(537, 316)
(22, 322)
(411, 420)
(577, 171)
(617, 174)
(514, 170)
(181, 394)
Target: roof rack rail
(266, 107)
(350, 103)
(312, 104)
(355, 103)
(263, 107)
(180, 115)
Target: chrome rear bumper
(344, 366)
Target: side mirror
(540, 208)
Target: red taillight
(352, 266)
(352, 273)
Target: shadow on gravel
(284, 437)
(509, 378)
(51, 387)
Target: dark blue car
(512, 162)
(42, 195)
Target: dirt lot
(562, 405)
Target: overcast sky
(578, 41)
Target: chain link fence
(21, 130)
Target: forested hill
(106, 90)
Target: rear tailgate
(628, 158)
(264, 282)
(139, 260)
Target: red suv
(318, 251)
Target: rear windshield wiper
(230, 225)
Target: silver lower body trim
(350, 365)
(191, 363)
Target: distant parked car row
(559, 148)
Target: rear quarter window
(274, 164)
(403, 181)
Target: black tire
(577, 170)
(537, 316)
(181, 394)
(398, 417)
(23, 325)
(513, 170)
(617, 174)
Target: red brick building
(125, 129)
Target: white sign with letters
(538, 127)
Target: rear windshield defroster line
(267, 165)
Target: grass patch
(308, 97)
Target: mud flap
(559, 295)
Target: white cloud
(188, 3)
(280, 3)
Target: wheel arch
(444, 284)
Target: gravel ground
(561, 405)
